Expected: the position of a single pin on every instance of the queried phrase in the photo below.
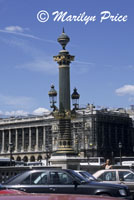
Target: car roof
(105, 170)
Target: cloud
(20, 34)
(126, 89)
(40, 65)
(16, 113)
(16, 101)
(40, 111)
(19, 31)
(84, 63)
(1, 112)
(14, 29)
(39, 62)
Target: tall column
(44, 139)
(23, 140)
(3, 142)
(16, 140)
(9, 131)
(30, 138)
(37, 139)
(64, 59)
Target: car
(86, 175)
(118, 176)
(11, 192)
(63, 181)
(54, 196)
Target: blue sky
(104, 53)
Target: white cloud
(40, 111)
(126, 89)
(19, 31)
(84, 63)
(16, 101)
(131, 99)
(39, 62)
(14, 29)
(20, 34)
(16, 113)
(40, 65)
(1, 113)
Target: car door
(108, 176)
(63, 183)
(127, 178)
(36, 182)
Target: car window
(26, 181)
(60, 178)
(108, 176)
(39, 178)
(126, 176)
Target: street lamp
(52, 97)
(120, 147)
(75, 99)
(11, 146)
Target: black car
(63, 181)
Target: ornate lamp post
(75, 99)
(120, 147)
(64, 113)
(53, 97)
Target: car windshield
(78, 177)
(88, 176)
(11, 179)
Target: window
(60, 178)
(26, 181)
(126, 176)
(108, 176)
(39, 178)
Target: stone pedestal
(66, 161)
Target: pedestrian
(107, 165)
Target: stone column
(9, 131)
(3, 142)
(23, 139)
(37, 139)
(30, 139)
(44, 139)
(16, 140)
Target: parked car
(11, 192)
(54, 196)
(119, 176)
(63, 182)
(86, 175)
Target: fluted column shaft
(3, 141)
(37, 139)
(30, 139)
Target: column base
(65, 161)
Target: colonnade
(26, 139)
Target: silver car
(119, 176)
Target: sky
(101, 39)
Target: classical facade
(94, 133)
(31, 137)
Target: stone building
(94, 133)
